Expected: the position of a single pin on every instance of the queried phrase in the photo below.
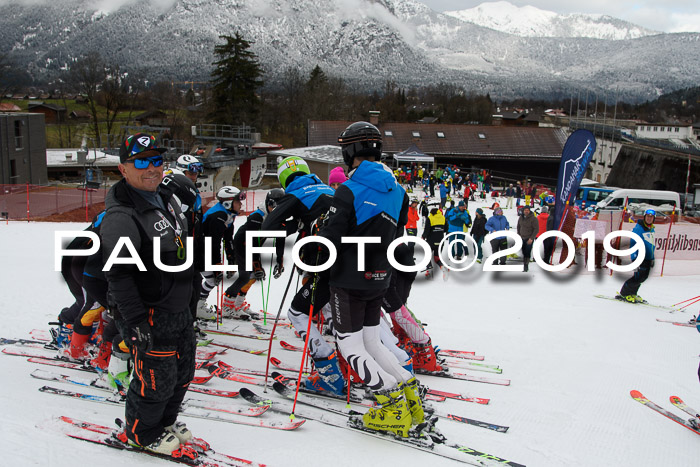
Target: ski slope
(572, 360)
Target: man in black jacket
(150, 304)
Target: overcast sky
(660, 15)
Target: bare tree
(89, 73)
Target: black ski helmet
(361, 139)
(273, 196)
(179, 185)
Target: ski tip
(676, 400)
(636, 394)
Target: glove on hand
(141, 337)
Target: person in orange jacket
(413, 218)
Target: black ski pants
(631, 286)
(319, 293)
(498, 244)
(161, 376)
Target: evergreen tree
(235, 80)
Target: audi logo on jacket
(128, 214)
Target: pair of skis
(677, 402)
(619, 298)
(442, 374)
(199, 454)
(345, 419)
(229, 412)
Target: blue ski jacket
(370, 203)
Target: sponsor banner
(683, 243)
(577, 154)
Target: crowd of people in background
(443, 209)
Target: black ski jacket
(135, 294)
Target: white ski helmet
(228, 194)
(189, 163)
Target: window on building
(416, 134)
(13, 170)
(19, 142)
(482, 136)
(656, 128)
(440, 134)
(388, 133)
(677, 130)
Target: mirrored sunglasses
(143, 163)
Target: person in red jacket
(413, 218)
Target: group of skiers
(151, 313)
(147, 316)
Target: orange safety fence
(75, 204)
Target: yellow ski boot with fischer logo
(392, 414)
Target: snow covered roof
(59, 158)
(327, 153)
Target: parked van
(588, 196)
(616, 199)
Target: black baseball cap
(136, 144)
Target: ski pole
(262, 293)
(622, 219)
(274, 327)
(306, 341)
(689, 304)
(668, 235)
(690, 299)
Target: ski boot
(198, 333)
(166, 444)
(101, 362)
(98, 325)
(205, 311)
(118, 370)
(392, 414)
(327, 377)
(626, 298)
(413, 399)
(77, 349)
(236, 308)
(695, 423)
(62, 337)
(425, 359)
(180, 430)
(638, 299)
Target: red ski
(237, 348)
(459, 397)
(459, 354)
(293, 348)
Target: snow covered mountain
(529, 21)
(366, 42)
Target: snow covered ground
(572, 360)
